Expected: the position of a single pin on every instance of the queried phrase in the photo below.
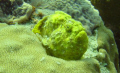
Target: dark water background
(110, 13)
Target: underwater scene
(59, 36)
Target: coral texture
(18, 15)
(22, 52)
(107, 42)
(63, 36)
(81, 10)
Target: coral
(62, 36)
(22, 52)
(110, 12)
(107, 42)
(38, 3)
(2, 25)
(8, 6)
(19, 14)
(24, 12)
(81, 10)
(12, 1)
(38, 14)
(105, 63)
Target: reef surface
(24, 51)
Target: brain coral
(62, 36)
(22, 52)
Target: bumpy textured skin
(81, 10)
(62, 36)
